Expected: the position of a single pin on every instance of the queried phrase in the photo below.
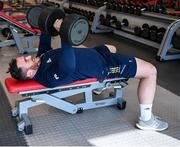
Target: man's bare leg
(147, 75)
(111, 48)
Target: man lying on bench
(68, 64)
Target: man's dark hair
(16, 73)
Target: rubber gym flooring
(106, 126)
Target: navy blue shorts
(118, 65)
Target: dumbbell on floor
(5, 32)
(74, 28)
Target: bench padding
(14, 86)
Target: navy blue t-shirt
(67, 64)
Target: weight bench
(14, 26)
(35, 94)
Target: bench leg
(121, 103)
(21, 111)
(24, 124)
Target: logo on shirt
(49, 60)
(56, 76)
(130, 60)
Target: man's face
(27, 62)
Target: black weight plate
(53, 16)
(47, 19)
(33, 15)
(74, 29)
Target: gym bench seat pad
(14, 86)
(17, 23)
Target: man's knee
(153, 70)
(111, 48)
(145, 69)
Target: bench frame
(56, 97)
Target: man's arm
(45, 40)
(44, 44)
(67, 59)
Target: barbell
(74, 28)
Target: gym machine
(97, 21)
(167, 43)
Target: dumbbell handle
(112, 20)
(124, 22)
(143, 9)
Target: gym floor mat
(9, 136)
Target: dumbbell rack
(170, 23)
(96, 22)
(166, 44)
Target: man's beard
(35, 66)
